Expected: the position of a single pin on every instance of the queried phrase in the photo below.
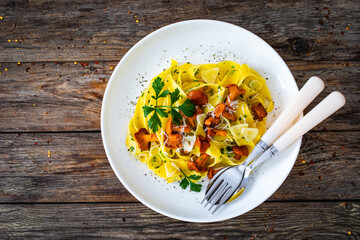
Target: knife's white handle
(304, 97)
(324, 109)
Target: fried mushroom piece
(240, 151)
(259, 111)
(192, 166)
(201, 143)
(212, 121)
(211, 132)
(171, 128)
(144, 139)
(230, 116)
(173, 139)
(181, 128)
(211, 172)
(199, 163)
(198, 97)
(234, 91)
(219, 132)
(219, 109)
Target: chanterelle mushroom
(211, 132)
(234, 91)
(259, 111)
(173, 139)
(144, 138)
(202, 143)
(219, 109)
(240, 151)
(199, 164)
(212, 121)
(230, 116)
(198, 97)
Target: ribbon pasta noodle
(218, 127)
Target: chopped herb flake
(196, 71)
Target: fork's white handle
(304, 97)
(324, 109)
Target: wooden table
(56, 58)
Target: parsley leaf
(194, 177)
(162, 112)
(147, 110)
(187, 180)
(155, 122)
(195, 187)
(164, 94)
(174, 96)
(188, 108)
(176, 116)
(184, 183)
(158, 86)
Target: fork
(235, 174)
(320, 112)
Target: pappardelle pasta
(193, 120)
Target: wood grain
(308, 220)
(55, 180)
(67, 97)
(78, 171)
(70, 30)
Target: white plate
(195, 41)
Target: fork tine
(224, 199)
(218, 195)
(211, 190)
(218, 189)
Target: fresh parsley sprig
(187, 181)
(188, 108)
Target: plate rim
(106, 96)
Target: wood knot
(348, 206)
(299, 45)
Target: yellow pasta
(199, 145)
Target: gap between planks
(118, 60)
(117, 202)
(99, 131)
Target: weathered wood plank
(78, 171)
(67, 97)
(288, 220)
(104, 30)
(49, 97)
(53, 94)
(337, 76)
(328, 165)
